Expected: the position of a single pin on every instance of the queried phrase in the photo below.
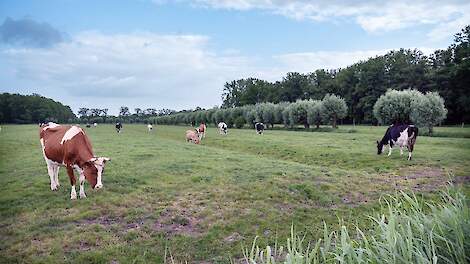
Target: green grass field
(202, 203)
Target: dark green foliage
(361, 84)
(22, 109)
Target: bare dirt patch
(422, 179)
(183, 216)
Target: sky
(178, 54)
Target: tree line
(24, 109)
(302, 112)
(445, 71)
(97, 115)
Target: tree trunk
(334, 122)
(430, 130)
(318, 125)
(306, 125)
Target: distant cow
(88, 125)
(222, 128)
(118, 127)
(192, 136)
(400, 135)
(149, 127)
(95, 124)
(201, 130)
(70, 147)
(259, 128)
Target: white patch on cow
(409, 155)
(99, 164)
(389, 151)
(401, 151)
(73, 193)
(402, 140)
(50, 125)
(72, 132)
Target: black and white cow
(259, 128)
(118, 127)
(400, 135)
(222, 128)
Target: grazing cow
(88, 125)
(400, 135)
(192, 136)
(149, 127)
(118, 127)
(259, 128)
(70, 147)
(222, 128)
(201, 131)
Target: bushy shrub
(428, 110)
(239, 122)
(314, 113)
(410, 106)
(333, 109)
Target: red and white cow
(192, 136)
(70, 147)
(201, 130)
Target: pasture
(202, 203)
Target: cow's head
(196, 140)
(93, 171)
(380, 147)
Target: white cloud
(149, 70)
(446, 17)
(141, 69)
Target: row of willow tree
(302, 112)
(361, 84)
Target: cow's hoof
(73, 197)
(82, 195)
(54, 187)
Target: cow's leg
(56, 175)
(82, 181)
(410, 150)
(51, 171)
(73, 193)
(401, 150)
(389, 151)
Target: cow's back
(65, 144)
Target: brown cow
(192, 136)
(201, 131)
(69, 146)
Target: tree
(138, 111)
(124, 111)
(428, 110)
(394, 107)
(268, 113)
(333, 109)
(83, 112)
(410, 106)
(298, 113)
(23, 109)
(314, 113)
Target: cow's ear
(106, 159)
(377, 142)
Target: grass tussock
(410, 231)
